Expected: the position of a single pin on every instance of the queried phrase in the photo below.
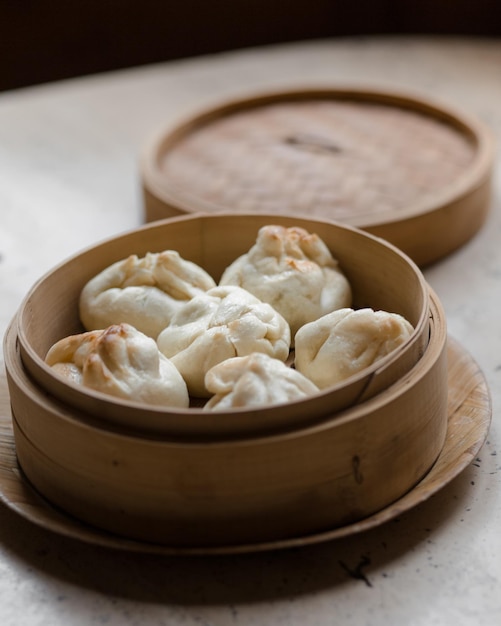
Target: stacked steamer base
(192, 479)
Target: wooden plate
(401, 166)
(469, 417)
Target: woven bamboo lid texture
(401, 167)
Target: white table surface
(69, 178)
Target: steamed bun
(254, 380)
(144, 292)
(342, 343)
(122, 362)
(293, 271)
(219, 324)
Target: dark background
(44, 40)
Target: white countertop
(69, 178)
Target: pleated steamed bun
(294, 271)
(341, 344)
(254, 380)
(143, 292)
(122, 362)
(219, 324)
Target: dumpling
(255, 380)
(293, 271)
(342, 343)
(122, 362)
(144, 292)
(222, 323)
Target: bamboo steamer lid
(401, 166)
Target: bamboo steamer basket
(380, 275)
(401, 166)
(226, 493)
(188, 479)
